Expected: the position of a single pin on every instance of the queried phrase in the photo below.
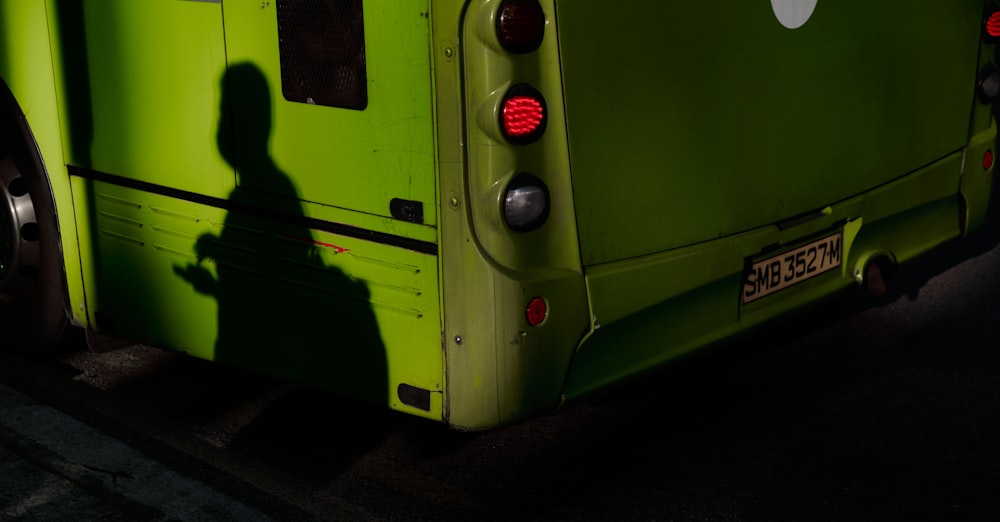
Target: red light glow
(988, 160)
(522, 116)
(537, 311)
(993, 24)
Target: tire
(33, 311)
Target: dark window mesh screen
(322, 48)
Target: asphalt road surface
(888, 413)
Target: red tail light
(522, 115)
(991, 26)
(988, 160)
(520, 25)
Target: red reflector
(988, 160)
(993, 24)
(520, 25)
(537, 311)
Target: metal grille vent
(322, 49)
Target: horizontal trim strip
(416, 245)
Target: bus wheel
(32, 299)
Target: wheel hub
(18, 233)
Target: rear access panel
(690, 121)
(352, 125)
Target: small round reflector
(537, 311)
(992, 25)
(522, 115)
(520, 25)
(988, 160)
(526, 203)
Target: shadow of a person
(281, 309)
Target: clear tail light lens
(526, 203)
(989, 84)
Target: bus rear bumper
(649, 310)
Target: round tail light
(991, 26)
(520, 25)
(526, 203)
(989, 84)
(523, 114)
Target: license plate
(789, 268)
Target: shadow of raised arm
(200, 278)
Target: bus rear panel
(476, 210)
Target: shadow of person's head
(245, 105)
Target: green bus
(475, 210)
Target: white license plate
(776, 273)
